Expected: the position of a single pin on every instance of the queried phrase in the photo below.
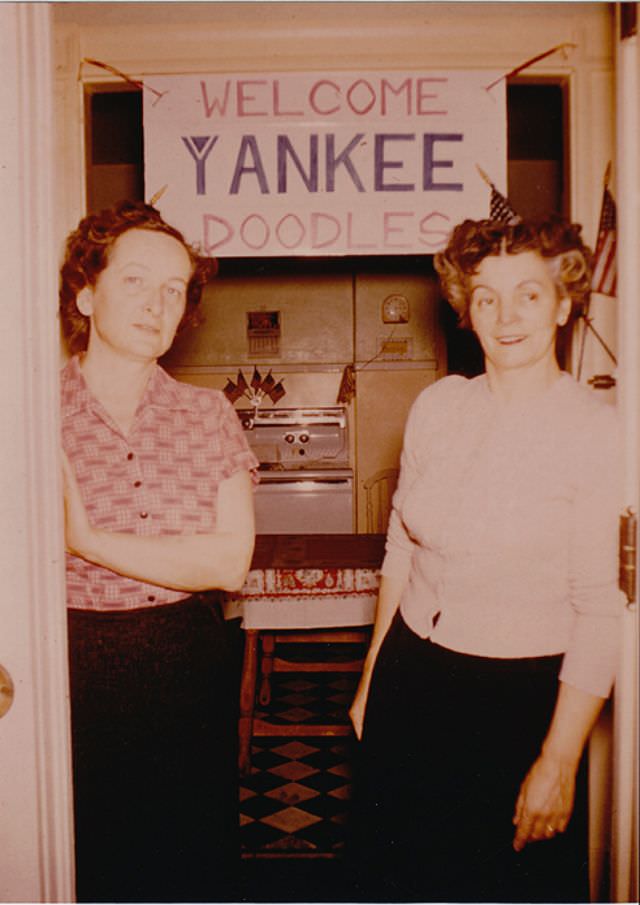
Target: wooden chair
(379, 489)
(262, 660)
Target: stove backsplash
(315, 321)
(328, 319)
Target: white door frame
(36, 838)
(624, 842)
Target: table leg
(266, 667)
(247, 699)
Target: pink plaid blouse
(161, 479)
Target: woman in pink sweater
(495, 639)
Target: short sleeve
(236, 453)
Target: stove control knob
(289, 438)
(304, 438)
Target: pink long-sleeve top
(504, 526)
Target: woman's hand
(389, 593)
(359, 705)
(78, 531)
(545, 801)
(546, 796)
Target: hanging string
(536, 59)
(138, 84)
(122, 75)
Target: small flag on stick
(604, 275)
(500, 208)
(256, 380)
(276, 392)
(268, 383)
(231, 391)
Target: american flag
(604, 261)
(276, 392)
(268, 383)
(500, 209)
(231, 391)
(256, 380)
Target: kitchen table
(303, 582)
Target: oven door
(302, 502)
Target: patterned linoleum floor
(295, 801)
(294, 805)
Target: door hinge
(628, 556)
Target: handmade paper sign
(317, 163)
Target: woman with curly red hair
(495, 639)
(159, 511)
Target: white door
(624, 874)
(36, 853)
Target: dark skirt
(154, 697)
(448, 739)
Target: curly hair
(555, 239)
(87, 253)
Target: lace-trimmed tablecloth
(310, 581)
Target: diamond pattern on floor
(290, 820)
(295, 801)
(292, 793)
(309, 698)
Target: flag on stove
(232, 391)
(242, 383)
(268, 383)
(256, 380)
(276, 392)
(604, 275)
